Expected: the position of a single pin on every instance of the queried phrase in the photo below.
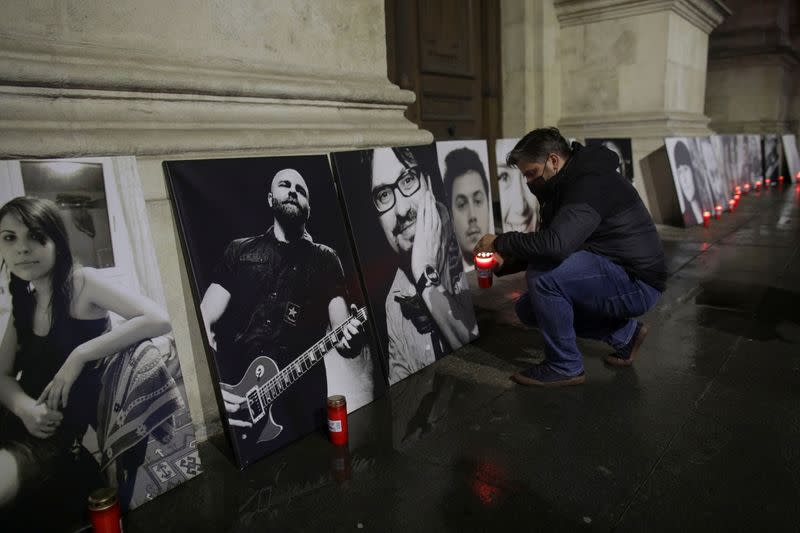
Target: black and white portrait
(621, 147)
(464, 166)
(409, 254)
(714, 174)
(724, 147)
(519, 208)
(279, 296)
(91, 390)
(689, 176)
(773, 157)
(792, 157)
(756, 165)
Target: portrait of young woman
(85, 388)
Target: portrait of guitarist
(277, 295)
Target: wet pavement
(703, 433)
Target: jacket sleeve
(570, 228)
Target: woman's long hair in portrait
(41, 216)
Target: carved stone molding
(655, 124)
(44, 122)
(705, 14)
(65, 100)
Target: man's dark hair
(537, 145)
(459, 162)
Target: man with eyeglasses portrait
(428, 308)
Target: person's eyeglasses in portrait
(408, 183)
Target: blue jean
(585, 295)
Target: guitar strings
(274, 380)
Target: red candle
(758, 185)
(104, 511)
(337, 419)
(731, 205)
(746, 188)
(780, 180)
(484, 263)
(797, 177)
(706, 218)
(738, 190)
(717, 212)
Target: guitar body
(264, 426)
(262, 385)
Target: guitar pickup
(254, 405)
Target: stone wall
(172, 79)
(753, 68)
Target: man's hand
(486, 244)
(352, 338)
(233, 404)
(427, 236)
(40, 421)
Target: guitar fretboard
(281, 381)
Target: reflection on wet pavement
(701, 434)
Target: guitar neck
(281, 381)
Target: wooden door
(448, 53)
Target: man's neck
(289, 233)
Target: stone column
(635, 69)
(753, 68)
(171, 79)
(530, 70)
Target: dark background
(627, 152)
(377, 261)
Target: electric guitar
(263, 383)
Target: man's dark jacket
(589, 206)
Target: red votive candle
(484, 263)
(758, 185)
(706, 218)
(780, 180)
(337, 419)
(738, 190)
(746, 188)
(797, 177)
(731, 205)
(767, 182)
(717, 212)
(104, 511)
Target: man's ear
(269, 199)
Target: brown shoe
(618, 359)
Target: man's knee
(524, 310)
(9, 481)
(545, 285)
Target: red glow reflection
(488, 483)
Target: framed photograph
(689, 176)
(464, 166)
(408, 254)
(278, 295)
(792, 158)
(519, 208)
(714, 172)
(87, 342)
(772, 157)
(621, 147)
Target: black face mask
(538, 184)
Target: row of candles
(744, 189)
